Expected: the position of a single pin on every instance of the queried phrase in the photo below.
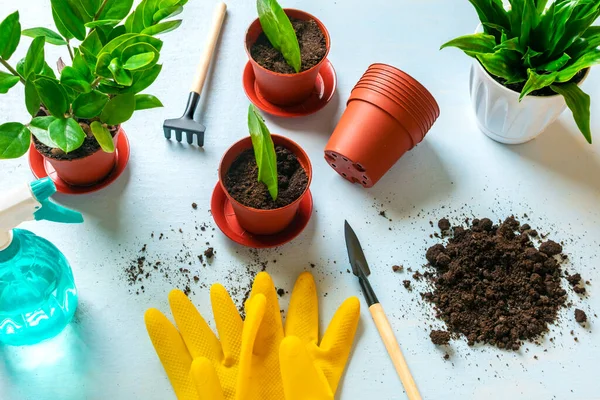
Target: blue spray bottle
(37, 292)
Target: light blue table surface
(455, 172)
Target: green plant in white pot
(77, 110)
(530, 60)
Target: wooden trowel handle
(393, 349)
(209, 49)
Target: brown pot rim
(290, 145)
(118, 128)
(310, 16)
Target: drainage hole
(333, 165)
(359, 167)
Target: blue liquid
(37, 292)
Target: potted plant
(265, 177)
(286, 49)
(77, 112)
(530, 59)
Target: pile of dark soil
(242, 180)
(492, 285)
(313, 48)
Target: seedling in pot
(115, 59)
(538, 48)
(279, 30)
(264, 151)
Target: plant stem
(100, 9)
(12, 70)
(96, 81)
(70, 50)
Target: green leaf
(555, 65)
(72, 78)
(39, 128)
(51, 36)
(60, 26)
(89, 105)
(7, 81)
(587, 60)
(102, 66)
(579, 103)
(48, 71)
(279, 30)
(10, 35)
(116, 46)
(167, 12)
(82, 68)
(14, 140)
(79, 10)
(110, 87)
(103, 137)
(53, 96)
(116, 9)
(529, 21)
(104, 22)
(143, 79)
(138, 61)
(116, 32)
(510, 44)
(120, 75)
(541, 5)
(146, 101)
(32, 98)
(34, 60)
(536, 82)
(477, 43)
(264, 151)
(503, 63)
(69, 17)
(90, 7)
(67, 134)
(530, 57)
(119, 109)
(163, 27)
(150, 8)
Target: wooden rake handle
(209, 49)
(393, 349)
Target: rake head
(186, 124)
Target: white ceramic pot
(502, 117)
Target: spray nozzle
(42, 189)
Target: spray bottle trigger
(50, 211)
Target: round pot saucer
(226, 220)
(42, 168)
(323, 92)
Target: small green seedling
(113, 61)
(541, 44)
(264, 151)
(280, 32)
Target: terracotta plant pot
(264, 222)
(88, 170)
(387, 114)
(285, 89)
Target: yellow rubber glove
(311, 370)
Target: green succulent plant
(538, 44)
(114, 56)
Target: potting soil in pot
(312, 42)
(492, 285)
(547, 91)
(242, 182)
(90, 146)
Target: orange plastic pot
(405, 101)
(402, 86)
(285, 89)
(264, 222)
(415, 83)
(392, 107)
(88, 170)
(367, 141)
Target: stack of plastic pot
(388, 113)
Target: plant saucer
(42, 168)
(222, 212)
(323, 92)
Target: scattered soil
(518, 87)
(444, 224)
(280, 292)
(397, 268)
(406, 284)
(243, 185)
(383, 214)
(194, 206)
(313, 48)
(209, 253)
(440, 337)
(580, 316)
(492, 285)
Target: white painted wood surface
(106, 354)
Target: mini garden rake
(186, 124)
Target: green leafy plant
(114, 56)
(280, 32)
(538, 44)
(264, 151)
